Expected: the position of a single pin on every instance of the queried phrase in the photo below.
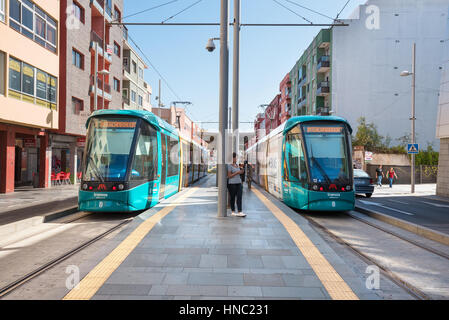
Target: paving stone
(123, 277)
(272, 280)
(242, 291)
(239, 261)
(124, 289)
(145, 260)
(213, 261)
(215, 278)
(190, 290)
(295, 262)
(292, 292)
(273, 262)
(175, 278)
(182, 260)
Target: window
(134, 67)
(133, 96)
(15, 74)
(31, 21)
(78, 11)
(140, 100)
(77, 105)
(116, 85)
(28, 80)
(2, 10)
(173, 156)
(125, 61)
(117, 15)
(140, 73)
(125, 93)
(77, 59)
(116, 49)
(2, 72)
(145, 158)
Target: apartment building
(273, 114)
(136, 92)
(311, 77)
(91, 74)
(285, 88)
(29, 82)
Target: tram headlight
(121, 187)
(348, 188)
(85, 186)
(315, 187)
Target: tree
(368, 136)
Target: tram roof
(303, 119)
(143, 114)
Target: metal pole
(223, 109)
(159, 99)
(95, 77)
(235, 80)
(104, 50)
(413, 113)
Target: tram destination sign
(116, 124)
(324, 129)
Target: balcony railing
(323, 64)
(323, 88)
(107, 87)
(323, 111)
(96, 38)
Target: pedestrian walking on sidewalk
(391, 176)
(235, 186)
(379, 176)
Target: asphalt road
(419, 210)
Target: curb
(408, 226)
(21, 225)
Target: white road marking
(437, 204)
(401, 202)
(380, 205)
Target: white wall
(443, 114)
(369, 55)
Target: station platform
(29, 203)
(180, 249)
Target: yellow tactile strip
(98, 276)
(331, 280)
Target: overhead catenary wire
(347, 2)
(292, 11)
(149, 9)
(314, 11)
(183, 10)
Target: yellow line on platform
(98, 276)
(331, 280)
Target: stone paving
(192, 254)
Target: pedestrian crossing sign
(413, 148)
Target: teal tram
(133, 159)
(307, 163)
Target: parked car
(363, 183)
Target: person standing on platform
(391, 176)
(235, 186)
(379, 175)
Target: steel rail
(412, 290)
(33, 274)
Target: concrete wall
(443, 169)
(369, 55)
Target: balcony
(322, 111)
(107, 88)
(302, 81)
(323, 65)
(323, 89)
(99, 4)
(302, 102)
(94, 37)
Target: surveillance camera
(210, 46)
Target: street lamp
(413, 118)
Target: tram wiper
(323, 173)
(96, 170)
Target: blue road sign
(413, 148)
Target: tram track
(408, 287)
(7, 289)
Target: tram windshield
(327, 153)
(109, 144)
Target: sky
(191, 73)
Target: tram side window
(145, 158)
(173, 159)
(295, 159)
